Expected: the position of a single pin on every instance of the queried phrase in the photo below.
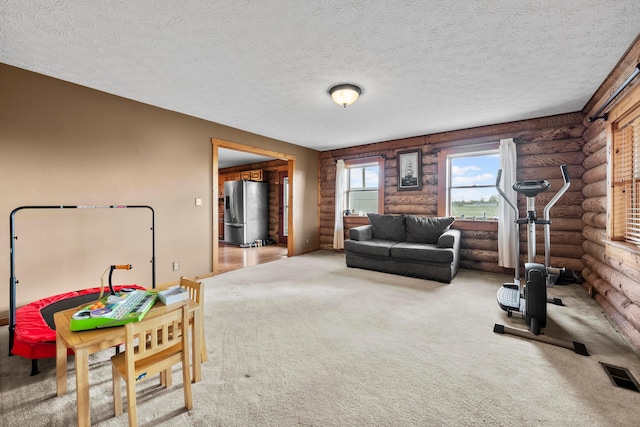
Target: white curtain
(508, 238)
(338, 228)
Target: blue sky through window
(470, 171)
(370, 177)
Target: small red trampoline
(35, 332)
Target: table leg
(196, 354)
(61, 367)
(82, 387)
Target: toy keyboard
(117, 310)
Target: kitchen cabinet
(249, 175)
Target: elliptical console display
(531, 188)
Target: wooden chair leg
(204, 357)
(168, 378)
(117, 392)
(131, 404)
(186, 380)
(203, 354)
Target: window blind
(626, 180)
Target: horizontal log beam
(549, 172)
(594, 234)
(426, 210)
(560, 237)
(596, 159)
(552, 133)
(564, 251)
(548, 147)
(548, 128)
(595, 144)
(479, 255)
(542, 199)
(483, 244)
(595, 189)
(550, 160)
(490, 267)
(565, 224)
(595, 250)
(595, 204)
(598, 173)
(479, 234)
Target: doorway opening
(287, 213)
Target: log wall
(611, 273)
(543, 145)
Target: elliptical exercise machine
(531, 299)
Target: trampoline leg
(34, 367)
(11, 333)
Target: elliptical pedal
(509, 298)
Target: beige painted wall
(64, 144)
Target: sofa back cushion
(388, 227)
(426, 230)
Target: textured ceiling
(228, 158)
(266, 66)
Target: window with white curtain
(365, 186)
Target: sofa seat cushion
(422, 252)
(374, 247)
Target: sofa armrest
(449, 239)
(363, 232)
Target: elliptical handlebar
(565, 174)
(545, 214)
(565, 187)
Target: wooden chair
(196, 293)
(152, 346)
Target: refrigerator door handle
(234, 224)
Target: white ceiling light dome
(345, 94)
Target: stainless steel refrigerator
(246, 212)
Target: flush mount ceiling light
(345, 94)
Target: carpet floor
(306, 341)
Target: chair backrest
(196, 290)
(196, 293)
(153, 335)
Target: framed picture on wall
(410, 170)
